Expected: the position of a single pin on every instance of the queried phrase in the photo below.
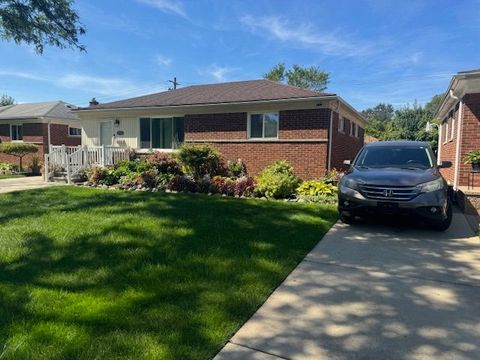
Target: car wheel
(444, 224)
(347, 218)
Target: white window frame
(341, 124)
(11, 132)
(139, 141)
(357, 132)
(351, 127)
(249, 126)
(76, 136)
(452, 131)
(446, 132)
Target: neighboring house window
(74, 131)
(357, 130)
(352, 124)
(16, 133)
(263, 125)
(161, 133)
(341, 124)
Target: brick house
(41, 124)
(459, 131)
(258, 121)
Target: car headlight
(350, 183)
(431, 186)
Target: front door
(106, 133)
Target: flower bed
(200, 169)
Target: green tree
(6, 100)
(18, 150)
(40, 23)
(311, 77)
(380, 112)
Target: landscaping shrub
(316, 188)
(150, 178)
(130, 180)
(222, 185)
(182, 183)
(97, 174)
(18, 150)
(277, 181)
(200, 160)
(236, 169)
(35, 166)
(165, 163)
(7, 168)
(331, 177)
(244, 186)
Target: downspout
(457, 149)
(330, 137)
(49, 140)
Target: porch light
(116, 122)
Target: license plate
(387, 206)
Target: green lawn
(13, 176)
(99, 274)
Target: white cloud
(305, 35)
(219, 73)
(163, 60)
(168, 6)
(23, 75)
(95, 84)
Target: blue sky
(375, 51)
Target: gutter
(459, 134)
(315, 98)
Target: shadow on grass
(100, 274)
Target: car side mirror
(347, 162)
(445, 164)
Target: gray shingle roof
(230, 92)
(51, 109)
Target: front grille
(389, 193)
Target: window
(263, 125)
(341, 124)
(352, 124)
(161, 133)
(389, 156)
(74, 131)
(16, 133)
(357, 130)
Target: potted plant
(473, 157)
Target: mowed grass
(11, 176)
(98, 274)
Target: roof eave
(323, 97)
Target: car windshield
(397, 157)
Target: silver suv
(396, 177)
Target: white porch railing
(70, 160)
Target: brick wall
(225, 126)
(344, 145)
(37, 134)
(302, 139)
(449, 146)
(470, 136)
(304, 124)
(308, 159)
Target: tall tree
(380, 112)
(40, 23)
(311, 77)
(6, 100)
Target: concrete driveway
(25, 183)
(373, 292)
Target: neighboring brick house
(258, 121)
(459, 132)
(42, 124)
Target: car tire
(347, 218)
(444, 224)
